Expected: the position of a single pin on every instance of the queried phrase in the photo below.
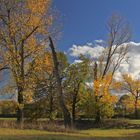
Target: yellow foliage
(48, 62)
(127, 78)
(101, 89)
(38, 6)
(101, 85)
(31, 42)
(22, 31)
(39, 15)
(21, 106)
(44, 63)
(116, 85)
(132, 85)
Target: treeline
(45, 83)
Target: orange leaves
(48, 62)
(31, 42)
(110, 99)
(101, 85)
(34, 21)
(39, 14)
(38, 6)
(96, 85)
(44, 63)
(104, 101)
(130, 84)
(101, 90)
(38, 65)
(116, 85)
(127, 78)
(107, 79)
(28, 96)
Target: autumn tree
(125, 105)
(114, 54)
(132, 86)
(45, 99)
(43, 87)
(87, 103)
(104, 101)
(23, 26)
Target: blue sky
(85, 20)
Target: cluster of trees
(131, 101)
(46, 84)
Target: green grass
(114, 133)
(7, 119)
(93, 134)
(14, 134)
(134, 121)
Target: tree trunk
(66, 113)
(20, 114)
(136, 109)
(97, 112)
(73, 111)
(74, 102)
(97, 117)
(51, 107)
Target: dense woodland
(47, 84)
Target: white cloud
(132, 67)
(99, 41)
(77, 61)
(94, 50)
(88, 50)
(89, 44)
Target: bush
(8, 108)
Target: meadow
(92, 134)
(103, 133)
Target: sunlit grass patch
(92, 134)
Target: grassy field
(134, 121)
(89, 134)
(93, 134)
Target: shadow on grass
(134, 136)
(106, 124)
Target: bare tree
(119, 35)
(115, 52)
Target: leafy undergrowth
(109, 123)
(57, 125)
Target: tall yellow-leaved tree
(23, 27)
(103, 96)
